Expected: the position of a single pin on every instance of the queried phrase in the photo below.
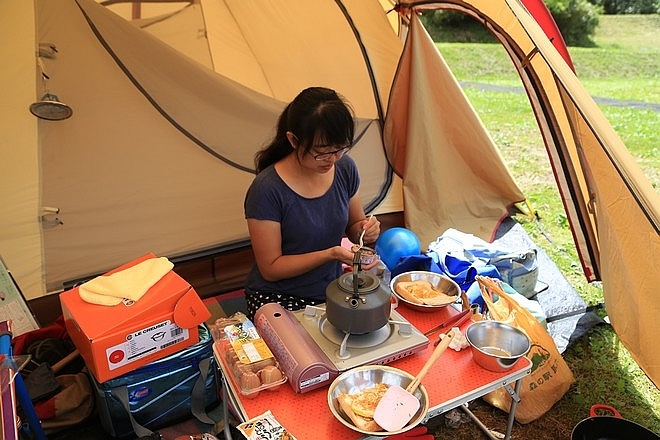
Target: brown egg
(270, 374)
(249, 381)
(262, 363)
(231, 356)
(239, 368)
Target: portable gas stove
(312, 352)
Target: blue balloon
(395, 243)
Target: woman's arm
(267, 247)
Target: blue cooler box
(162, 392)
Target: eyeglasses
(330, 154)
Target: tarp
(169, 110)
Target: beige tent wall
(126, 180)
(435, 140)
(20, 240)
(267, 38)
(159, 151)
(144, 9)
(183, 29)
(158, 154)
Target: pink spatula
(398, 406)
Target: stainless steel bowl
(496, 346)
(357, 379)
(440, 282)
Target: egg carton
(248, 359)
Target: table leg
(480, 424)
(225, 408)
(515, 398)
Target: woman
(303, 200)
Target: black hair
(316, 114)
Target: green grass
(624, 65)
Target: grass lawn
(624, 66)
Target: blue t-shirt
(306, 224)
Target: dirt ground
(457, 425)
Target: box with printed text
(114, 340)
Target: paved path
(604, 101)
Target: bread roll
(231, 356)
(240, 368)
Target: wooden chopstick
(449, 322)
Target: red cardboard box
(114, 340)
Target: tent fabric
(624, 208)
(463, 187)
(543, 16)
(119, 165)
(169, 111)
(162, 108)
(21, 246)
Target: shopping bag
(72, 405)
(55, 377)
(550, 378)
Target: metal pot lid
(366, 282)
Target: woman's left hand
(371, 265)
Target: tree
(577, 20)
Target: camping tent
(169, 110)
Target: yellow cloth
(131, 283)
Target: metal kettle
(357, 302)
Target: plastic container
(249, 361)
(367, 254)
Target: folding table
(454, 380)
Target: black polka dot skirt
(256, 299)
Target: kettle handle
(356, 268)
